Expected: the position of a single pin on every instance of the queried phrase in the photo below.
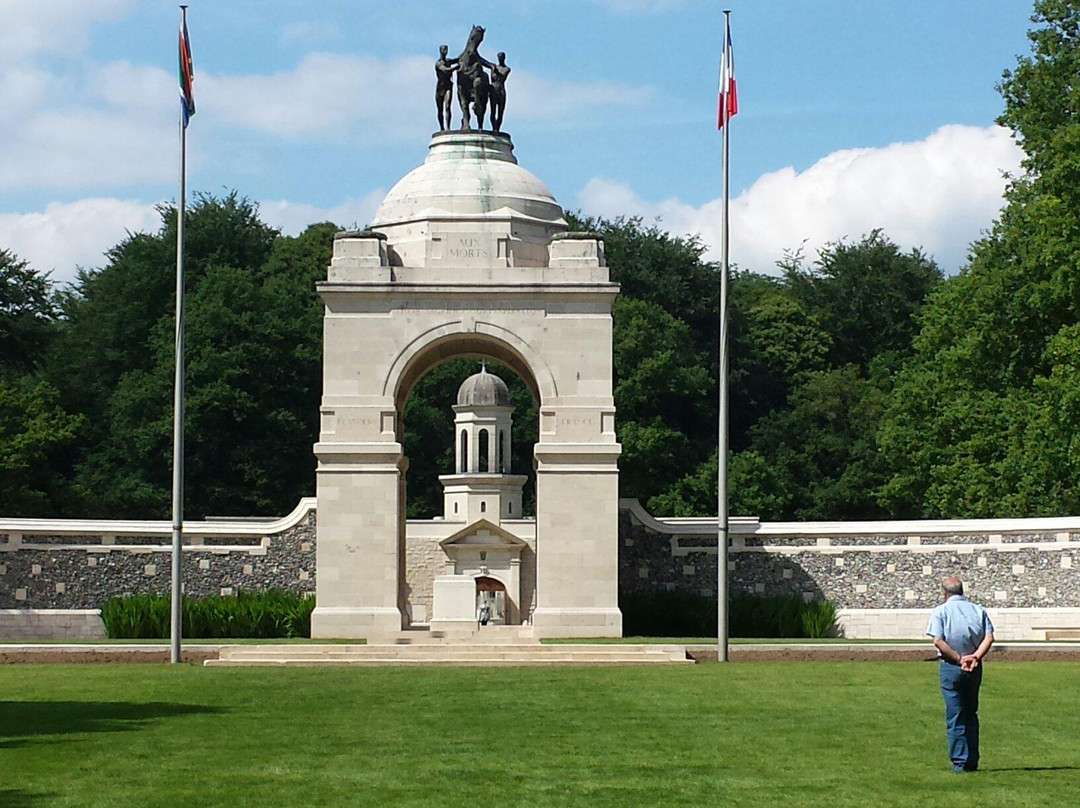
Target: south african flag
(187, 74)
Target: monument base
(347, 623)
(554, 622)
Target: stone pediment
(482, 535)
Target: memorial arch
(468, 256)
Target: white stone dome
(484, 389)
(469, 175)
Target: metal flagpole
(722, 440)
(178, 398)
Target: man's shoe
(959, 770)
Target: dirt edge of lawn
(699, 653)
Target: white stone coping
(119, 528)
(924, 549)
(751, 526)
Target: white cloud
(938, 194)
(110, 125)
(332, 95)
(67, 235)
(29, 28)
(293, 217)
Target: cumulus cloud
(938, 194)
(333, 95)
(67, 235)
(29, 28)
(110, 125)
(293, 217)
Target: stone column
(577, 553)
(359, 540)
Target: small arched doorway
(493, 593)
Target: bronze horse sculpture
(472, 80)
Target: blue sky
(853, 114)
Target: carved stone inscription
(468, 248)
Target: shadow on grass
(1032, 769)
(17, 798)
(24, 721)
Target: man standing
(962, 634)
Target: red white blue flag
(187, 74)
(728, 98)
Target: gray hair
(954, 586)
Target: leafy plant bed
(672, 614)
(252, 615)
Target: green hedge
(676, 614)
(257, 615)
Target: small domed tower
(482, 486)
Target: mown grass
(814, 734)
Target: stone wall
(69, 570)
(1009, 563)
(869, 570)
(882, 575)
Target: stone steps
(469, 654)
(1062, 634)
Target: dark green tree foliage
(983, 420)
(665, 352)
(863, 296)
(35, 431)
(253, 350)
(28, 311)
(825, 340)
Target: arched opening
(425, 393)
(491, 592)
(482, 450)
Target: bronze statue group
(475, 88)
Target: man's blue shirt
(961, 623)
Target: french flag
(728, 98)
(187, 74)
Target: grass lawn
(812, 734)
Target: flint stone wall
(1008, 564)
(1023, 564)
(58, 573)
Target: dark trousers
(961, 692)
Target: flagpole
(176, 616)
(722, 437)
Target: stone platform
(458, 653)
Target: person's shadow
(1029, 769)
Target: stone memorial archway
(468, 255)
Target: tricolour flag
(187, 75)
(727, 96)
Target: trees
(253, 333)
(28, 312)
(982, 421)
(34, 428)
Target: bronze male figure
(444, 87)
(499, 74)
